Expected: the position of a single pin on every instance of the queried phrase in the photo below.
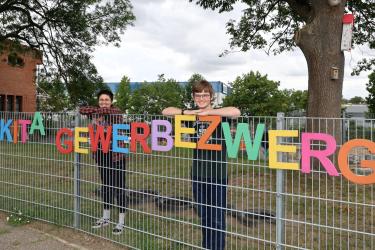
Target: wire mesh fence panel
(35, 178)
(190, 182)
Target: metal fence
(266, 208)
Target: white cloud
(178, 38)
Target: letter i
(15, 132)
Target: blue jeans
(211, 196)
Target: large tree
(315, 27)
(66, 32)
(65, 28)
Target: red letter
(139, 137)
(104, 140)
(69, 143)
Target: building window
(18, 104)
(15, 61)
(2, 102)
(10, 103)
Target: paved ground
(38, 235)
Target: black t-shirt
(209, 163)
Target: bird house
(347, 29)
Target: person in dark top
(209, 170)
(111, 164)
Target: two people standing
(209, 168)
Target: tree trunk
(320, 42)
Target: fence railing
(265, 207)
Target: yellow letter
(274, 148)
(78, 139)
(180, 130)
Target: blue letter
(116, 137)
(4, 129)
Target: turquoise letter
(37, 124)
(242, 130)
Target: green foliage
(83, 82)
(152, 98)
(65, 32)
(272, 24)
(53, 96)
(65, 29)
(370, 99)
(75, 88)
(255, 94)
(188, 98)
(123, 94)
(298, 100)
(16, 218)
(357, 100)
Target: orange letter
(343, 163)
(215, 121)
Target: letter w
(100, 135)
(252, 149)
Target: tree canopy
(255, 94)
(315, 27)
(273, 24)
(64, 29)
(66, 33)
(153, 97)
(357, 100)
(123, 94)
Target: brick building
(17, 80)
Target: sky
(178, 39)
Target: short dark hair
(105, 92)
(203, 85)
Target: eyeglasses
(202, 96)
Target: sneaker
(118, 229)
(101, 223)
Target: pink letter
(24, 124)
(322, 155)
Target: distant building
(221, 89)
(17, 80)
(355, 111)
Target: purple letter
(156, 134)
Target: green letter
(252, 150)
(37, 124)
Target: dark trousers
(113, 184)
(211, 196)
